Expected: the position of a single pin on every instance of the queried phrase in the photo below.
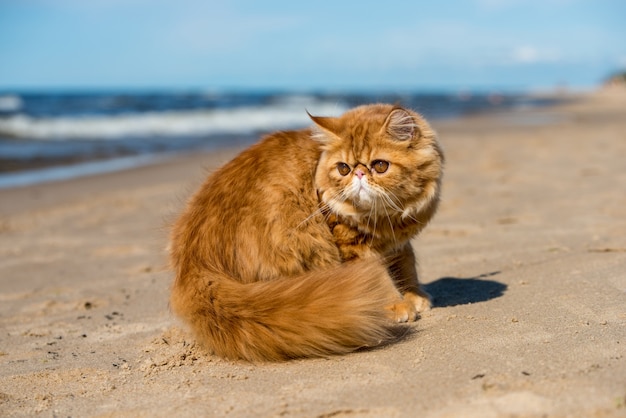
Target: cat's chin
(362, 208)
(363, 200)
(360, 196)
(350, 209)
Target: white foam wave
(10, 103)
(283, 115)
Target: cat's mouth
(362, 194)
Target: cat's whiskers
(394, 202)
(388, 196)
(393, 233)
(369, 217)
(323, 209)
(413, 218)
(375, 216)
(340, 197)
(319, 211)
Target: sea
(51, 136)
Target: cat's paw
(408, 309)
(422, 300)
(402, 311)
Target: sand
(526, 260)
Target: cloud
(527, 54)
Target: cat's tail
(317, 314)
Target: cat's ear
(401, 124)
(326, 129)
(328, 124)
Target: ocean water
(57, 135)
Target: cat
(299, 246)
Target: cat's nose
(359, 173)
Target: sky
(310, 45)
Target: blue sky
(302, 45)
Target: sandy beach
(526, 260)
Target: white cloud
(528, 54)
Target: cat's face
(377, 160)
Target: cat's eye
(343, 169)
(380, 166)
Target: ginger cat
(299, 247)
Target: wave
(285, 114)
(10, 103)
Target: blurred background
(91, 86)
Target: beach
(526, 261)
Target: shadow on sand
(448, 291)
(452, 291)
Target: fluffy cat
(299, 246)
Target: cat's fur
(299, 246)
